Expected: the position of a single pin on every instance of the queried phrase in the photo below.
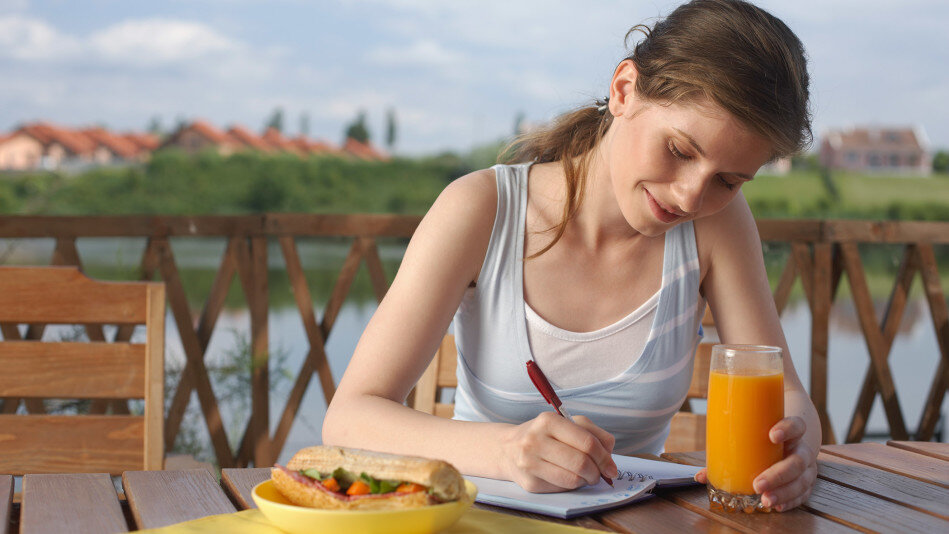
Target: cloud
(423, 52)
(30, 39)
(158, 41)
(10, 6)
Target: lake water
(914, 357)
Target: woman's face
(673, 163)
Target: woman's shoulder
(719, 233)
(459, 224)
(473, 194)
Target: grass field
(858, 196)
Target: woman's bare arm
(443, 258)
(737, 289)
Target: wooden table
(897, 487)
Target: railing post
(820, 331)
(260, 366)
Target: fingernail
(778, 436)
(760, 486)
(765, 500)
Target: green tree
(276, 120)
(155, 127)
(518, 123)
(390, 129)
(357, 129)
(941, 162)
(305, 124)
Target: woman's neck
(599, 222)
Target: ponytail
(571, 140)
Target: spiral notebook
(637, 479)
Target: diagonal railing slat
(822, 253)
(891, 322)
(936, 298)
(195, 366)
(876, 342)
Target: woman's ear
(623, 99)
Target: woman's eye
(726, 183)
(675, 152)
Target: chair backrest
(438, 377)
(33, 369)
(687, 429)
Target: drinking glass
(745, 399)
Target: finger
(580, 467)
(793, 493)
(607, 465)
(787, 429)
(702, 476)
(795, 503)
(583, 440)
(605, 437)
(781, 473)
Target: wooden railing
(822, 252)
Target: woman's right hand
(550, 453)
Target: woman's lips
(661, 213)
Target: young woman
(595, 259)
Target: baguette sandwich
(338, 478)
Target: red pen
(545, 389)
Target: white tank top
(635, 404)
(572, 359)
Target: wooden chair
(33, 370)
(687, 432)
(437, 378)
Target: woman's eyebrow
(698, 149)
(691, 141)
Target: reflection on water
(914, 357)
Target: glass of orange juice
(745, 399)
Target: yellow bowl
(302, 520)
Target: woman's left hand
(789, 482)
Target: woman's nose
(689, 193)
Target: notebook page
(636, 478)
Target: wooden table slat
(661, 515)
(161, 498)
(77, 502)
(927, 498)
(895, 460)
(238, 484)
(793, 521)
(6, 502)
(867, 512)
(928, 448)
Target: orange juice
(742, 408)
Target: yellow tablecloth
(475, 521)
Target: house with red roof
(199, 136)
(311, 147)
(110, 147)
(277, 141)
(362, 150)
(61, 147)
(20, 152)
(146, 142)
(249, 139)
(42, 145)
(890, 150)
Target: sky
(456, 73)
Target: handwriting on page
(633, 476)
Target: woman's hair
(729, 52)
